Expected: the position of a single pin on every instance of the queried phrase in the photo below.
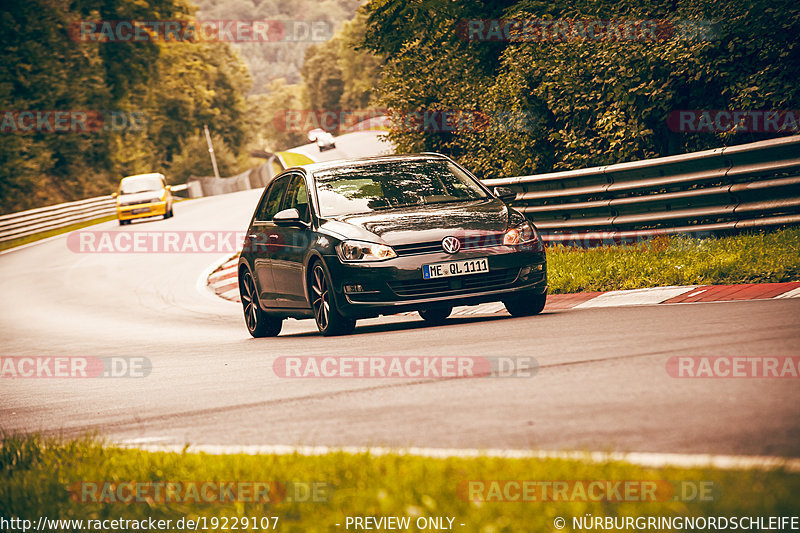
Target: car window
(137, 184)
(393, 184)
(272, 200)
(297, 197)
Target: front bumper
(130, 212)
(396, 285)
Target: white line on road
(656, 460)
(701, 291)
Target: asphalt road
(602, 383)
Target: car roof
(151, 174)
(311, 168)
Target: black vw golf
(344, 240)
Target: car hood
(424, 223)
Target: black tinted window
(393, 184)
(297, 197)
(271, 203)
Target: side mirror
(505, 194)
(114, 195)
(288, 217)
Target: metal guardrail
(25, 223)
(713, 191)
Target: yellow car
(141, 196)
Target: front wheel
(525, 304)
(329, 320)
(435, 315)
(258, 323)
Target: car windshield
(392, 184)
(136, 184)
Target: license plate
(141, 210)
(461, 267)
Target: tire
(526, 304)
(124, 222)
(168, 214)
(329, 321)
(436, 315)
(258, 323)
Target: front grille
(470, 242)
(427, 288)
(418, 248)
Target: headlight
(364, 251)
(519, 234)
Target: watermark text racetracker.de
(200, 492)
(192, 31)
(727, 367)
(735, 121)
(177, 242)
(595, 490)
(531, 30)
(405, 367)
(74, 367)
(409, 120)
(63, 121)
(217, 241)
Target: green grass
(13, 243)
(36, 475)
(678, 260)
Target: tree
(268, 117)
(589, 101)
(194, 159)
(145, 97)
(322, 77)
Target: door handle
(273, 236)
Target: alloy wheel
(321, 297)
(250, 302)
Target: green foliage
(194, 159)
(592, 102)
(162, 92)
(339, 74)
(322, 77)
(361, 69)
(267, 115)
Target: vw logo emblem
(451, 245)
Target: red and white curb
(223, 281)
